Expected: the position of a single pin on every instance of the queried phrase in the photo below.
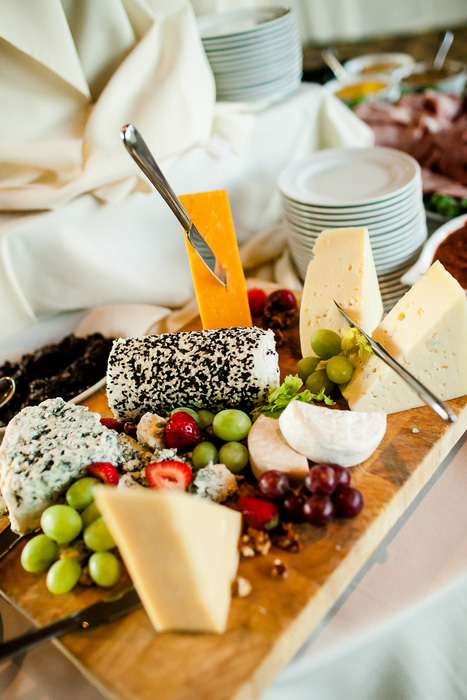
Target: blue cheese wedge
(44, 450)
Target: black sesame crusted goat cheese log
(214, 369)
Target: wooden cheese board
(128, 660)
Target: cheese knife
(427, 396)
(107, 610)
(138, 150)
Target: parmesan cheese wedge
(181, 553)
(342, 269)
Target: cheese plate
(266, 628)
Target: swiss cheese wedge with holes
(426, 332)
(342, 269)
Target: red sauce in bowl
(452, 253)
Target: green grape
(326, 343)
(306, 366)
(90, 514)
(231, 424)
(339, 369)
(97, 536)
(234, 455)
(61, 523)
(204, 453)
(190, 412)
(79, 495)
(39, 553)
(205, 418)
(63, 575)
(317, 380)
(104, 569)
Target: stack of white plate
(379, 188)
(255, 53)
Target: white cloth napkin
(73, 73)
(89, 252)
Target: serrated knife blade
(107, 610)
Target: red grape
(273, 484)
(318, 510)
(292, 507)
(283, 299)
(348, 502)
(321, 479)
(342, 475)
(257, 300)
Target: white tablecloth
(399, 632)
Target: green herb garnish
(279, 398)
(446, 206)
(354, 344)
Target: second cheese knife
(420, 389)
(142, 156)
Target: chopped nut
(130, 429)
(247, 551)
(257, 541)
(415, 430)
(288, 540)
(279, 570)
(241, 587)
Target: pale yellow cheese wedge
(181, 553)
(426, 331)
(343, 269)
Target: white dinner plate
(236, 24)
(350, 176)
(413, 193)
(377, 225)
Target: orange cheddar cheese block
(219, 306)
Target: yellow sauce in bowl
(352, 92)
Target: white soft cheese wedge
(181, 553)
(426, 332)
(343, 269)
(268, 449)
(332, 436)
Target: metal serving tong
(138, 150)
(420, 389)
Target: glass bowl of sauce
(362, 88)
(451, 77)
(386, 63)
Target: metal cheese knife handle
(138, 150)
(423, 392)
(106, 610)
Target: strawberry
(105, 471)
(168, 475)
(182, 431)
(262, 515)
(112, 424)
(257, 300)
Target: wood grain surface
(128, 659)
